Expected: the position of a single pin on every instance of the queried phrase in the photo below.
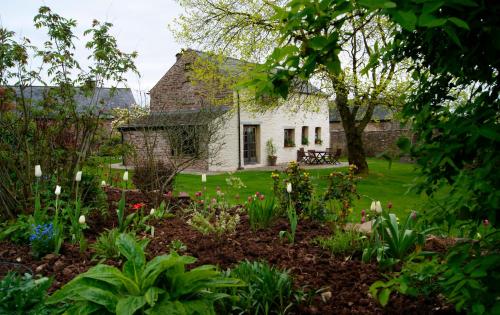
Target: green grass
(382, 184)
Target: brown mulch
(348, 280)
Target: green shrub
(23, 294)
(261, 211)
(160, 286)
(342, 190)
(268, 291)
(348, 242)
(302, 188)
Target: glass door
(249, 144)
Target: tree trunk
(355, 151)
(353, 133)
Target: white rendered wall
(271, 125)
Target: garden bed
(312, 267)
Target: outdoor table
(320, 157)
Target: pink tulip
(413, 215)
(486, 222)
(363, 219)
(363, 212)
(261, 197)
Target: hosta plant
(160, 286)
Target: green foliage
(343, 243)
(177, 246)
(261, 211)
(468, 277)
(293, 219)
(471, 274)
(270, 147)
(160, 286)
(23, 295)
(106, 247)
(217, 224)
(392, 242)
(17, 231)
(418, 277)
(268, 290)
(302, 188)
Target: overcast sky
(140, 26)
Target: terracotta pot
(271, 160)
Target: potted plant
(271, 152)
(318, 141)
(305, 141)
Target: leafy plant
(392, 242)
(21, 295)
(177, 246)
(261, 211)
(419, 276)
(160, 286)
(343, 242)
(220, 224)
(268, 291)
(105, 246)
(270, 148)
(19, 230)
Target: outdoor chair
(334, 158)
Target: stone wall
(177, 90)
(145, 142)
(374, 142)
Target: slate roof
(188, 117)
(232, 65)
(106, 100)
(380, 113)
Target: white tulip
(81, 219)
(373, 206)
(125, 176)
(152, 211)
(289, 187)
(78, 176)
(203, 178)
(58, 190)
(38, 171)
(103, 183)
(378, 207)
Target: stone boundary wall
(374, 142)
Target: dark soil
(347, 280)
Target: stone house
(380, 134)
(242, 137)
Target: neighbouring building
(101, 102)
(243, 134)
(380, 134)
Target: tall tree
(251, 30)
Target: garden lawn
(382, 184)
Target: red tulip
(389, 205)
(363, 219)
(137, 206)
(363, 212)
(486, 222)
(261, 197)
